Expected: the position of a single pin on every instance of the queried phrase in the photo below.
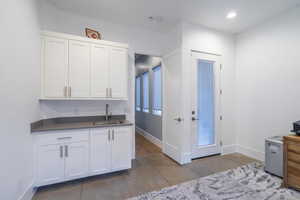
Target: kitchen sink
(110, 122)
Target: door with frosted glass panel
(205, 114)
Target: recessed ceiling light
(231, 15)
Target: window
(145, 77)
(156, 98)
(138, 93)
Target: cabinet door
(100, 161)
(55, 67)
(76, 160)
(118, 72)
(121, 148)
(99, 71)
(79, 69)
(50, 164)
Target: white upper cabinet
(99, 71)
(75, 67)
(118, 72)
(79, 69)
(55, 70)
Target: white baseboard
(149, 137)
(28, 193)
(236, 148)
(228, 149)
(186, 158)
(173, 152)
(251, 152)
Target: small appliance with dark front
(296, 128)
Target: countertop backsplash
(69, 108)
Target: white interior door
(118, 72)
(79, 69)
(173, 121)
(55, 68)
(99, 71)
(206, 91)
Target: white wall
(19, 80)
(139, 40)
(195, 37)
(268, 71)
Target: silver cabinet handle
(106, 92)
(113, 134)
(65, 91)
(70, 91)
(110, 92)
(66, 151)
(61, 151)
(64, 138)
(109, 135)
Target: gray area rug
(248, 182)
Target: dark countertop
(66, 123)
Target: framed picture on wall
(90, 33)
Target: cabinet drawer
(293, 157)
(55, 137)
(293, 147)
(293, 169)
(293, 181)
(293, 165)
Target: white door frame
(215, 148)
(173, 146)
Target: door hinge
(221, 117)
(221, 92)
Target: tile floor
(151, 171)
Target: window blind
(145, 77)
(138, 93)
(156, 98)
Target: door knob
(178, 119)
(194, 119)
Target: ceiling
(210, 13)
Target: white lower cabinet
(50, 165)
(114, 146)
(100, 151)
(71, 154)
(76, 160)
(121, 149)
